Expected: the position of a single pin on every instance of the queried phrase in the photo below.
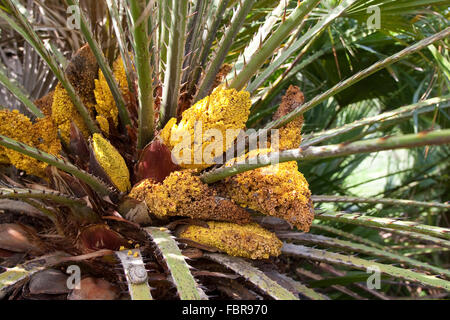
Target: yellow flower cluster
(121, 77)
(112, 162)
(81, 72)
(140, 190)
(291, 135)
(103, 123)
(183, 194)
(278, 190)
(106, 106)
(42, 135)
(64, 112)
(248, 241)
(224, 109)
(46, 136)
(15, 126)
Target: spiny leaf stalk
(437, 137)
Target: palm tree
(89, 176)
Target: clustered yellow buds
(121, 77)
(42, 135)
(183, 194)
(278, 190)
(112, 162)
(224, 109)
(290, 135)
(16, 126)
(45, 136)
(140, 190)
(106, 106)
(64, 112)
(247, 241)
(103, 123)
(81, 72)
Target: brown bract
(19, 238)
(155, 162)
(98, 237)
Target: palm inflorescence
(93, 176)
